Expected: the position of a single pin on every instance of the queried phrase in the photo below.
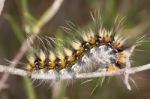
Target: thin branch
(128, 65)
(51, 12)
(46, 76)
(1, 9)
(1, 5)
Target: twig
(128, 64)
(16, 59)
(1, 9)
(20, 72)
(50, 13)
(1, 5)
(45, 76)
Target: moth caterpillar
(104, 49)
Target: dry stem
(45, 76)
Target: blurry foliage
(21, 17)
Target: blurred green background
(19, 13)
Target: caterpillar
(104, 49)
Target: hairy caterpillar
(99, 48)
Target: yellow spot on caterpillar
(52, 63)
(62, 63)
(112, 68)
(60, 55)
(76, 45)
(31, 65)
(29, 68)
(118, 42)
(71, 58)
(85, 37)
(92, 41)
(80, 51)
(52, 56)
(105, 35)
(42, 57)
(31, 60)
(91, 38)
(106, 38)
(68, 52)
(91, 34)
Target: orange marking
(92, 41)
(112, 68)
(116, 44)
(42, 64)
(52, 64)
(80, 51)
(106, 39)
(71, 58)
(62, 63)
(30, 68)
(121, 57)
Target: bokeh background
(12, 33)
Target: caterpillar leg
(54, 74)
(66, 73)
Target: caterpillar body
(103, 49)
